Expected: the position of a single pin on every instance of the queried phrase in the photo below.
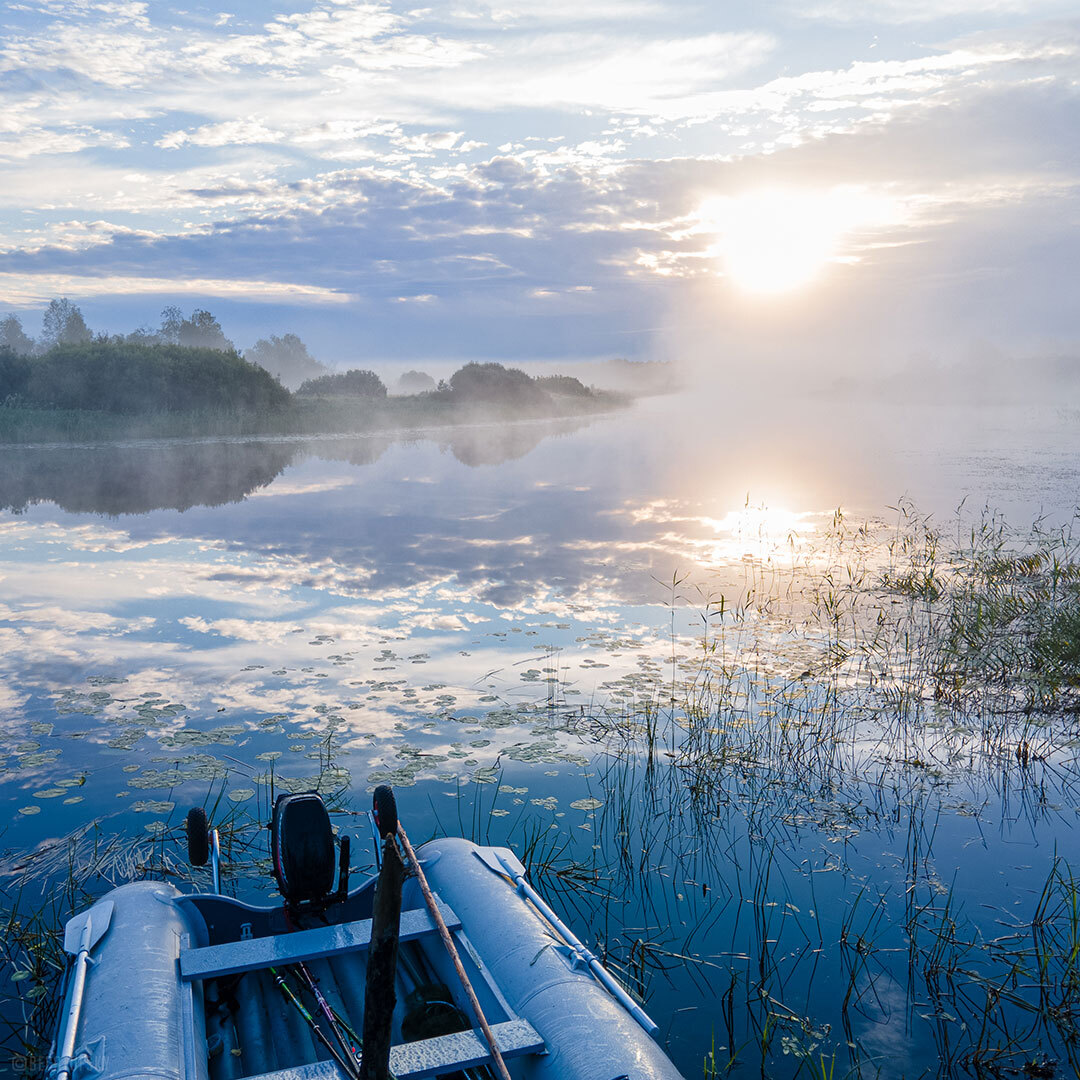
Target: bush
(287, 358)
(130, 378)
(415, 382)
(356, 383)
(14, 372)
(493, 382)
(566, 385)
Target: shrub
(493, 382)
(356, 383)
(14, 372)
(566, 385)
(415, 382)
(131, 378)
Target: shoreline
(342, 419)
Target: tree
(493, 382)
(415, 382)
(287, 357)
(14, 374)
(141, 335)
(201, 331)
(14, 338)
(563, 384)
(172, 319)
(63, 324)
(356, 382)
(132, 379)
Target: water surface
(504, 623)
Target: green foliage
(563, 384)
(1000, 613)
(494, 383)
(14, 372)
(356, 382)
(415, 382)
(128, 378)
(200, 331)
(287, 358)
(13, 337)
(63, 324)
(138, 386)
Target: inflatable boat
(203, 986)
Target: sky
(841, 185)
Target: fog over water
(454, 610)
(771, 678)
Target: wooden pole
(448, 941)
(379, 996)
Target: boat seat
(433, 1057)
(251, 954)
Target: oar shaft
(601, 973)
(448, 941)
(82, 961)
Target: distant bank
(102, 390)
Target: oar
(448, 941)
(81, 934)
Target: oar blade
(98, 918)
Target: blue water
(487, 618)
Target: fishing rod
(348, 1065)
(352, 1049)
(352, 1046)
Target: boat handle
(377, 837)
(603, 976)
(215, 860)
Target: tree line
(62, 324)
(188, 366)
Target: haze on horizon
(842, 185)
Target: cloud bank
(529, 180)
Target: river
(511, 624)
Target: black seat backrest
(302, 847)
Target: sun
(778, 240)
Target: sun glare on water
(757, 531)
(773, 241)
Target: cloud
(338, 154)
(35, 142)
(32, 289)
(229, 133)
(912, 11)
(114, 55)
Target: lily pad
(586, 804)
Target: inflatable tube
(135, 1011)
(587, 1032)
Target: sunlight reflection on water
(490, 611)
